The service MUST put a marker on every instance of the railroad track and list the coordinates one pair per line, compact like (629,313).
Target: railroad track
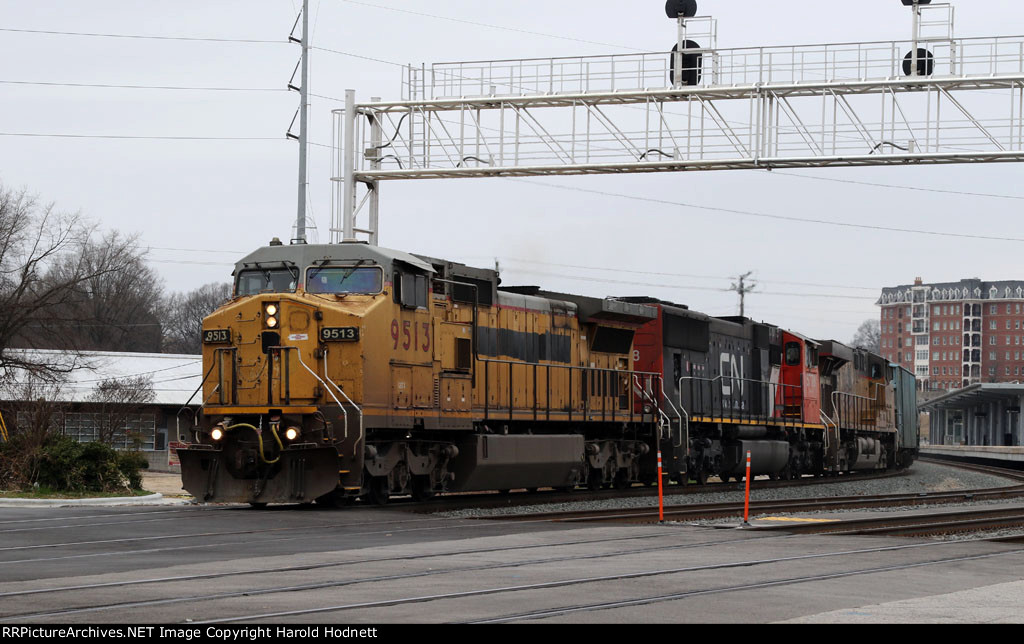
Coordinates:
(558,575)
(491,500)
(694,512)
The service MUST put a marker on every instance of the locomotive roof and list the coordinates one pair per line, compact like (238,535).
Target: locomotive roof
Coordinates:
(592,309)
(303,255)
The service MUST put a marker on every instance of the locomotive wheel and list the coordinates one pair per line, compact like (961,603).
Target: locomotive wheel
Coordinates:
(379,492)
(701,477)
(532,490)
(594,480)
(724,477)
(421,490)
(257,506)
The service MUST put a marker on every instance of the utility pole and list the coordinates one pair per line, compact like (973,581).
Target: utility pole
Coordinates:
(742,288)
(300,221)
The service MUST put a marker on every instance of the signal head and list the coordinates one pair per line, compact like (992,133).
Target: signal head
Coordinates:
(684,8)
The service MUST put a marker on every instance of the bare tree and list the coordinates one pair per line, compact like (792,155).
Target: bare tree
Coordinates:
(48,260)
(115,403)
(869,336)
(183,316)
(33,412)
(113,310)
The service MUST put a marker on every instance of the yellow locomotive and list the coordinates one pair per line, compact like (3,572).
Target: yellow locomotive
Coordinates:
(347,370)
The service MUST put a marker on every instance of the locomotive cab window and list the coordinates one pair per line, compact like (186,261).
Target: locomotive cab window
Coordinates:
(411,290)
(792,354)
(365,280)
(812,357)
(256,281)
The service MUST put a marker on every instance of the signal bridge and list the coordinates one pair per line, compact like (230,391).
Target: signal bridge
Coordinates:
(931,99)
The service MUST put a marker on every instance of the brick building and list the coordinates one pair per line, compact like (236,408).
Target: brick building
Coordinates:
(955,334)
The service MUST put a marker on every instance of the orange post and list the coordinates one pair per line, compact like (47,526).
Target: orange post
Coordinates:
(746,502)
(661,498)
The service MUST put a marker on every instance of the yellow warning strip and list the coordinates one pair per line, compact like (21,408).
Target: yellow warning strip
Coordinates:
(796,519)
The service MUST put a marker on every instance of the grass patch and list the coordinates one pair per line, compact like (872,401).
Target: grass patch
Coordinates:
(44,492)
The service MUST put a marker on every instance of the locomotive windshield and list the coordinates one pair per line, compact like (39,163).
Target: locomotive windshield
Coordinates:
(276,280)
(338,280)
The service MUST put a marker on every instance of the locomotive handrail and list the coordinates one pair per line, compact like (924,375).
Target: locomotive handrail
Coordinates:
(312,373)
(177,417)
(568,367)
(774,390)
(342,392)
(639,387)
(839,411)
(827,422)
(684,426)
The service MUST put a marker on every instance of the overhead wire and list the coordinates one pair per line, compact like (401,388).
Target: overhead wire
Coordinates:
(762,215)
(489,26)
(153,87)
(50,32)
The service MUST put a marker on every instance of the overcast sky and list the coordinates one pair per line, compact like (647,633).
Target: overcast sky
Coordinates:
(201,204)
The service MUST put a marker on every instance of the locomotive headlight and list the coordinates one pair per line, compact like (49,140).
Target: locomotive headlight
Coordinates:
(291,433)
(217,434)
(270,312)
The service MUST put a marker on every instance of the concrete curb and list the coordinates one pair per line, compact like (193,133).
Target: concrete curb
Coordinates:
(152,499)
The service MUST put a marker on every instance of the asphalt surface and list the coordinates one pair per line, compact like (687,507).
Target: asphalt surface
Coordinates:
(393,566)
(177,562)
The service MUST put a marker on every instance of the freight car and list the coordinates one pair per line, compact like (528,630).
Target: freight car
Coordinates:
(348,370)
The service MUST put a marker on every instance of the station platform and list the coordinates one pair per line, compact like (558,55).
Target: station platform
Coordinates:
(1012,457)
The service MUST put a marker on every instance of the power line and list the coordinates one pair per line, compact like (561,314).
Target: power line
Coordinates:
(748,213)
(141,36)
(346,53)
(709,277)
(489,26)
(742,289)
(689,287)
(160,87)
(899,187)
(129,137)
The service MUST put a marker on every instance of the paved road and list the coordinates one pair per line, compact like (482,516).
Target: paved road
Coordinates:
(388,565)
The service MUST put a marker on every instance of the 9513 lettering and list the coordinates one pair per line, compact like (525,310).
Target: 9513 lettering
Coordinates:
(340,334)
